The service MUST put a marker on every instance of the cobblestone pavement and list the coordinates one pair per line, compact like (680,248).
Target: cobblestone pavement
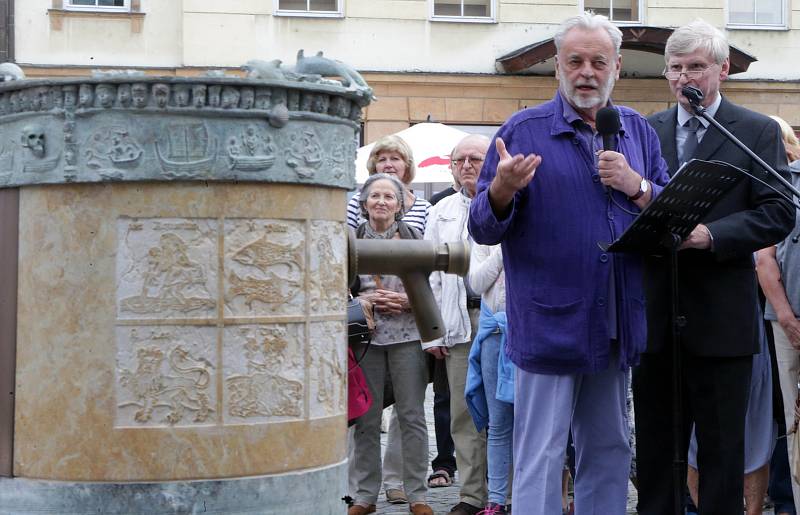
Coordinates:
(442,499)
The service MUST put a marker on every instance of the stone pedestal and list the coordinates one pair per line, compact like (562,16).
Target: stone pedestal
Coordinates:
(180,341)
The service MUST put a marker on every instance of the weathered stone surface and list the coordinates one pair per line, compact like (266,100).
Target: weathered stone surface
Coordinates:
(136,340)
(175,129)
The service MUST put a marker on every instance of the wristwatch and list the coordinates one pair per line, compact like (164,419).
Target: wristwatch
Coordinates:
(643,187)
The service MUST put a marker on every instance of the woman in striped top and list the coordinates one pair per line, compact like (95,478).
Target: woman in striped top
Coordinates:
(393,156)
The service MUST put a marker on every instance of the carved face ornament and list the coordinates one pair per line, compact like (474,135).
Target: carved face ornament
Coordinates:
(161,95)
(139,95)
(33,140)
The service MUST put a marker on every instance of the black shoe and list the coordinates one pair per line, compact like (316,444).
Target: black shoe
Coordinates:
(463,508)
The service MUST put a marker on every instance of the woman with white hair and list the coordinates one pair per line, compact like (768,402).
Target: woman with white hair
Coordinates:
(394,354)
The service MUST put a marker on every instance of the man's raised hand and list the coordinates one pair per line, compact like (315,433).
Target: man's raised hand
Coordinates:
(513,174)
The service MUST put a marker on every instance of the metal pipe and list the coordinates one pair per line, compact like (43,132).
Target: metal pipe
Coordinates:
(412,261)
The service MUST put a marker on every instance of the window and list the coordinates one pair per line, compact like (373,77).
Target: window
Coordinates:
(329,8)
(757,13)
(620,11)
(463,10)
(97,5)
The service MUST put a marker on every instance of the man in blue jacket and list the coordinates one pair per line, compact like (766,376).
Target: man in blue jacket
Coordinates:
(576,315)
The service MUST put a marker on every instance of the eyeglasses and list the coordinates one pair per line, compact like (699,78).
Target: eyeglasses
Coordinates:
(477,160)
(690,74)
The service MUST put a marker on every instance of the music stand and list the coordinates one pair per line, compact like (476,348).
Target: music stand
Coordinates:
(688,198)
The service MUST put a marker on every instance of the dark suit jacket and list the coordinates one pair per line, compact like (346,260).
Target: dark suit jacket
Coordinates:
(717,290)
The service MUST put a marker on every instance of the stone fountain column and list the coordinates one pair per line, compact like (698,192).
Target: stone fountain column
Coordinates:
(180,335)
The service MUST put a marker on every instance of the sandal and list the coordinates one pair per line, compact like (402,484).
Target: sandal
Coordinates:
(440,479)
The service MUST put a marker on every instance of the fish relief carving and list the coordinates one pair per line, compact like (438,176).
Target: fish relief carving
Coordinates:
(304,153)
(274,290)
(180,390)
(263,254)
(251,151)
(110,148)
(263,391)
(171,281)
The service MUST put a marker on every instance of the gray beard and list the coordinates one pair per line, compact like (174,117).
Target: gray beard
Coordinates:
(601,99)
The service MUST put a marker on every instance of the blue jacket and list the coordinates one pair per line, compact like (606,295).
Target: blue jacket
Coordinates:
(557,276)
(474,391)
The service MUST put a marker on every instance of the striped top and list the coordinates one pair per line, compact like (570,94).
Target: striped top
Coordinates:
(416,217)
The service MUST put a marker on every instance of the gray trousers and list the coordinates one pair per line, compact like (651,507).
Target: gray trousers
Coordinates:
(594,405)
(470,444)
(404,364)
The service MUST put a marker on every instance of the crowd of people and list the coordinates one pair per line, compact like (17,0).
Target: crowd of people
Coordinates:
(548,334)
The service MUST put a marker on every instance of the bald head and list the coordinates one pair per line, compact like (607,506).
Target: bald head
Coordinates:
(467,159)
(479,140)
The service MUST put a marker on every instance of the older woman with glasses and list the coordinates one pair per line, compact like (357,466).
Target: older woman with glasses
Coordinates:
(394,353)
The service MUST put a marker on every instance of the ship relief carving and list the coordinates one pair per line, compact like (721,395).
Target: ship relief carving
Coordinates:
(304,153)
(328,361)
(6,165)
(165,377)
(327,266)
(188,151)
(251,150)
(36,149)
(264,263)
(263,372)
(167,268)
(111,149)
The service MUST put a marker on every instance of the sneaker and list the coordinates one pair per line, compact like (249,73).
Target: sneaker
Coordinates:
(463,508)
(493,509)
(396,496)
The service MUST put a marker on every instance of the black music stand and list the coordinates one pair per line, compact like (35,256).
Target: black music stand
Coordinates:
(661,227)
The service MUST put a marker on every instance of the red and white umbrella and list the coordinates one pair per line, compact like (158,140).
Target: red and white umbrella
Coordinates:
(431,144)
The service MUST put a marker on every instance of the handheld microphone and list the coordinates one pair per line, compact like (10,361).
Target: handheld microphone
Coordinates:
(692,94)
(607,123)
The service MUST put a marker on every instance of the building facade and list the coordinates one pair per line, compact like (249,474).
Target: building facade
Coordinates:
(426,59)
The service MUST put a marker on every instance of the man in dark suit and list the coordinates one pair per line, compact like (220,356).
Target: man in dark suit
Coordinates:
(717,287)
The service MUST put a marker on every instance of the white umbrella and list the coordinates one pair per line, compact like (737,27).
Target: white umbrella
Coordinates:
(431,144)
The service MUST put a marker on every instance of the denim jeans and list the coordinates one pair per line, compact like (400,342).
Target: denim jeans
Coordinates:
(501,424)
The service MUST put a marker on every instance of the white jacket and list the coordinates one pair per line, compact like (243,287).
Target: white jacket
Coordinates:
(447,222)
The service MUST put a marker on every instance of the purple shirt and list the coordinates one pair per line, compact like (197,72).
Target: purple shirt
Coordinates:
(557,277)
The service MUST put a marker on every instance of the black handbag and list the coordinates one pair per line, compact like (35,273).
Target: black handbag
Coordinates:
(357,327)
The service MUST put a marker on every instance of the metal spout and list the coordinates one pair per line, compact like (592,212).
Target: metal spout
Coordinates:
(412,261)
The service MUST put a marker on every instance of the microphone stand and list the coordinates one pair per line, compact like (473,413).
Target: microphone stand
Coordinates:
(695,96)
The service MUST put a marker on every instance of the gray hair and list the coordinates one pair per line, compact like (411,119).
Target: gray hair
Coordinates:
(372,179)
(589,21)
(698,35)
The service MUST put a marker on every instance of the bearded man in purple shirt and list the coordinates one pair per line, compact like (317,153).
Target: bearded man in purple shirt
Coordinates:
(549,194)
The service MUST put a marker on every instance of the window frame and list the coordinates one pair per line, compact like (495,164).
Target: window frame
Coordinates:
(758,26)
(339,13)
(126,8)
(640,21)
(492,18)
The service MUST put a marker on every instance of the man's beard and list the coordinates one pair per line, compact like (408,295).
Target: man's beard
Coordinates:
(598,99)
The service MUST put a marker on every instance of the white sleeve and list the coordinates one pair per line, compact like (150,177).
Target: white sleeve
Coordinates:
(486,264)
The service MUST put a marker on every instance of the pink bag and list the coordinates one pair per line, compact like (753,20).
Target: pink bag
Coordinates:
(359,399)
